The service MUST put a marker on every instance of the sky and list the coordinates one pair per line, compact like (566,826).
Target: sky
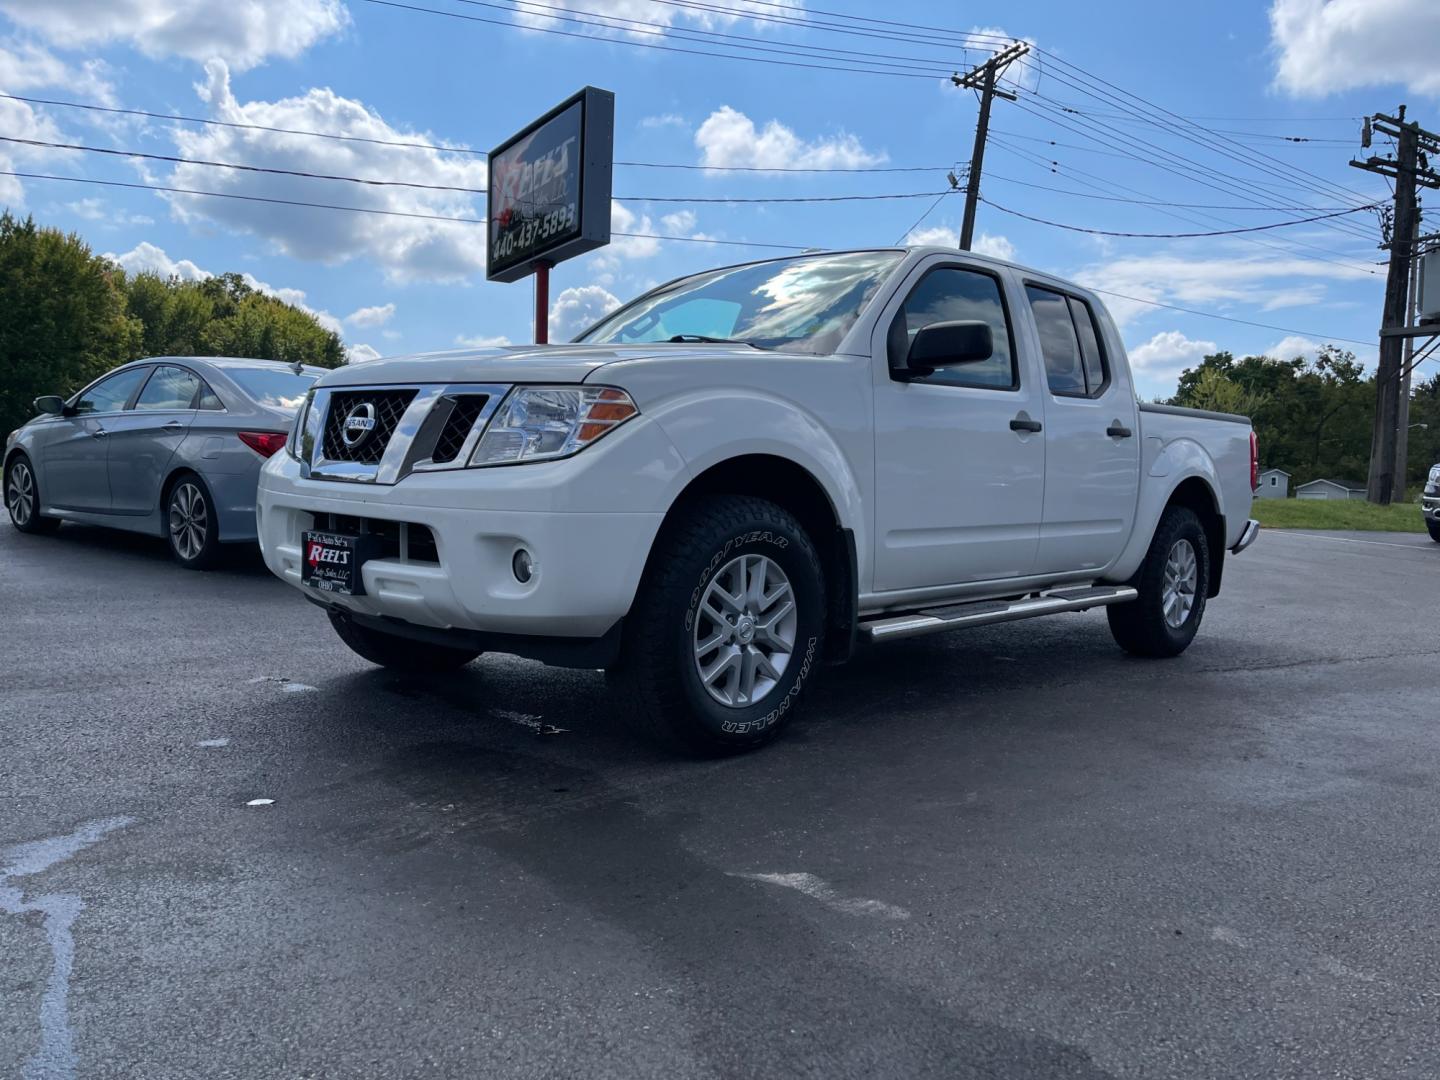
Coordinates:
(1138,118)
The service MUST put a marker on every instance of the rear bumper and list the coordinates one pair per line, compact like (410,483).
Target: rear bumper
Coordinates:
(1247,536)
(587,565)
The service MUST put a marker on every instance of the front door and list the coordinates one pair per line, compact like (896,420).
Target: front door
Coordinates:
(1092,438)
(73,456)
(145,437)
(959,454)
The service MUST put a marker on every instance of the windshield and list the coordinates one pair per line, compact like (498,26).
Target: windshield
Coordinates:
(280,389)
(804,304)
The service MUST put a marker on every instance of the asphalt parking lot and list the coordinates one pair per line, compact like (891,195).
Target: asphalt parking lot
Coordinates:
(1013,852)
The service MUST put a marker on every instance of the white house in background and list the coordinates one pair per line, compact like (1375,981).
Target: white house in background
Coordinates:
(1329,489)
(1274,484)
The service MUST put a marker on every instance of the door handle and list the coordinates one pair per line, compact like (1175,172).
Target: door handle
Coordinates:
(99,433)
(1116,431)
(173,425)
(1024,424)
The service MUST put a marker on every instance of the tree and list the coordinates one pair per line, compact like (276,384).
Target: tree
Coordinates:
(63,317)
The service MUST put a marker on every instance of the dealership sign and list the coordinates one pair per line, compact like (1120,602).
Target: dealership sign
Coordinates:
(549,190)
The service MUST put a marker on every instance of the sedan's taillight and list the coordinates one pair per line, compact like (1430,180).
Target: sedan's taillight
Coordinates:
(263,443)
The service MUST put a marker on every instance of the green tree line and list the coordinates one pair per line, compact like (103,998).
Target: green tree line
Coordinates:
(68,316)
(1313,419)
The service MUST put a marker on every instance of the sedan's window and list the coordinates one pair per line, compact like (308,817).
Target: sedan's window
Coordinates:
(277,388)
(110,395)
(169,388)
(1064,368)
(209,399)
(953,295)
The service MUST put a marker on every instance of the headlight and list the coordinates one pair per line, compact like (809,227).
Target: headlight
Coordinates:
(540,423)
(293,445)
(1434,473)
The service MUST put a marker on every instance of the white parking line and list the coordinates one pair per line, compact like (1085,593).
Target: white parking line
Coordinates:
(1346,540)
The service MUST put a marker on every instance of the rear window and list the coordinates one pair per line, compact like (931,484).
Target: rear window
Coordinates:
(277,389)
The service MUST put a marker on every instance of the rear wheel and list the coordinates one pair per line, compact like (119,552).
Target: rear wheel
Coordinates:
(399,653)
(22,498)
(727,628)
(1173,582)
(191,527)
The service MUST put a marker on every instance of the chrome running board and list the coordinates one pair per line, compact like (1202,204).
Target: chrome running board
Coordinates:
(986,612)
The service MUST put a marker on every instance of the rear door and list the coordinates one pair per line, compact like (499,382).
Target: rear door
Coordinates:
(1092,440)
(75,450)
(145,436)
(959,457)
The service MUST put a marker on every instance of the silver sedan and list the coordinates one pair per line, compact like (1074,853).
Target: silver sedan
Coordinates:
(170,446)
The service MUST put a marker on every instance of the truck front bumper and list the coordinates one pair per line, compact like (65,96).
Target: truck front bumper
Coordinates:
(586,566)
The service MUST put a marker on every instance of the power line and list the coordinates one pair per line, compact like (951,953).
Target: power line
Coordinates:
(1174,236)
(1154,202)
(305,204)
(276,171)
(1228,318)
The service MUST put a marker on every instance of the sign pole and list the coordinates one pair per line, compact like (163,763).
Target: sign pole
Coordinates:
(542,303)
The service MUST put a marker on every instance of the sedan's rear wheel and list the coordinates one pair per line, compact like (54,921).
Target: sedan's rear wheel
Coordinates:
(190,525)
(22,498)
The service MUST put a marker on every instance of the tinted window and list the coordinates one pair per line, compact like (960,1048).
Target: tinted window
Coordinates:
(804,304)
(1097,371)
(209,399)
(1064,369)
(169,388)
(277,388)
(951,295)
(110,395)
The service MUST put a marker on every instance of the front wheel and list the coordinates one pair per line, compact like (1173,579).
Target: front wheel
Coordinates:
(727,629)
(1173,582)
(399,653)
(1434,529)
(22,498)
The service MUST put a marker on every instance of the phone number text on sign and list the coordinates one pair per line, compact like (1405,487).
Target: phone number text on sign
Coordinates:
(517,238)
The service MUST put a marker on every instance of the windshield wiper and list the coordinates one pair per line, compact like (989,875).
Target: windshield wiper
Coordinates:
(681,339)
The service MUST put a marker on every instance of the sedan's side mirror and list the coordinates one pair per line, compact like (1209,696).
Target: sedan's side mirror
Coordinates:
(53,404)
(942,344)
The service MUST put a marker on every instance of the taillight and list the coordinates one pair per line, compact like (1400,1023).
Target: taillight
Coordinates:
(1254,461)
(263,443)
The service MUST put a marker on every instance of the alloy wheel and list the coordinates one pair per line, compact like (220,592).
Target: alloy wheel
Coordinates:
(1182,577)
(745,630)
(189,520)
(20,494)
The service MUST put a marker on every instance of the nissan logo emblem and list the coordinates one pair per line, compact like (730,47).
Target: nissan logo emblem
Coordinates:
(359,422)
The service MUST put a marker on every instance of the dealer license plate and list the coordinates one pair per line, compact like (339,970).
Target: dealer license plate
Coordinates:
(331,562)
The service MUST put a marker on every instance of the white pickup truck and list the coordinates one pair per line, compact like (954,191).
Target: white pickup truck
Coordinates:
(752,471)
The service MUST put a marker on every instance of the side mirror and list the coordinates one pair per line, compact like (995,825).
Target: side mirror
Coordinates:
(53,404)
(945,343)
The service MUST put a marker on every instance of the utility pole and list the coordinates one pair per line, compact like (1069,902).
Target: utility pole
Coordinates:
(982,78)
(1409,168)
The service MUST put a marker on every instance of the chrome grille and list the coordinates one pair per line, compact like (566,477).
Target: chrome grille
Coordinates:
(388,405)
(467,410)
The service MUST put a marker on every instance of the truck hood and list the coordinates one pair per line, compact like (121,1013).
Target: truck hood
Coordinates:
(508,364)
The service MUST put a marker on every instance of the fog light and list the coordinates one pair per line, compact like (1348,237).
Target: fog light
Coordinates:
(523,566)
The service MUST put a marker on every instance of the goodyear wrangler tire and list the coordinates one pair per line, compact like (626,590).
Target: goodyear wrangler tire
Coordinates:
(727,630)
(1172,582)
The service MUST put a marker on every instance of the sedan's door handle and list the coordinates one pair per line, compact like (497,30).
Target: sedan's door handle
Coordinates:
(1117,431)
(99,433)
(173,425)
(1024,424)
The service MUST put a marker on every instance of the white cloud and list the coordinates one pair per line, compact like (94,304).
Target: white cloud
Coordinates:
(1300,296)
(663,120)
(637,18)
(682,221)
(482,342)
(21,121)
(28,66)
(89,209)
(1288,348)
(371,316)
(146,258)
(245,33)
(729,139)
(1189,279)
(1167,354)
(405,248)
(1326,46)
(575,309)
(998,247)
(358,354)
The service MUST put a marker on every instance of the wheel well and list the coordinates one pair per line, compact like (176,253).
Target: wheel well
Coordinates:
(1195,495)
(792,487)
